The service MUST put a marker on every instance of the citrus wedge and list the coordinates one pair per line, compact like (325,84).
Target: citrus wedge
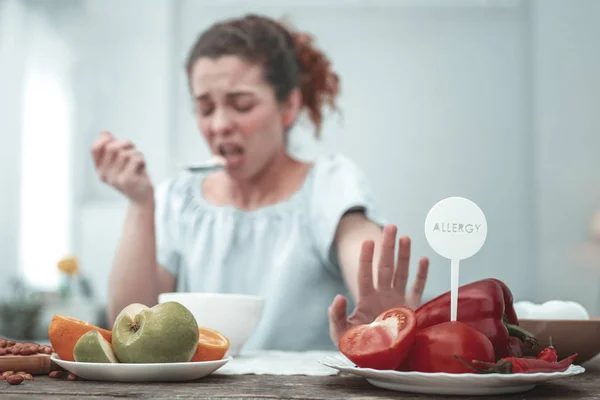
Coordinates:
(212,345)
(64,332)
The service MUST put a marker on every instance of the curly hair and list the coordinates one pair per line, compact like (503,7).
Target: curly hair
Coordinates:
(289,59)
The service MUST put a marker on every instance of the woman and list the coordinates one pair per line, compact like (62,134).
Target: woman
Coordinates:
(304,235)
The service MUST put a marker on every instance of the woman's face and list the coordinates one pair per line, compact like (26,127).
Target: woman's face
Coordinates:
(238,113)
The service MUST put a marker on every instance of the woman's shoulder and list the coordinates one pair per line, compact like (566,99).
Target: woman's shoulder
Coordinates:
(339,183)
(336,170)
(340,186)
(176,191)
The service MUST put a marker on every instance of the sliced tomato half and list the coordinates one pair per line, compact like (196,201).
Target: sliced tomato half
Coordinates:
(383,344)
(399,312)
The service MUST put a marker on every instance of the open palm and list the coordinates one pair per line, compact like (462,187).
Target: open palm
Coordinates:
(389,290)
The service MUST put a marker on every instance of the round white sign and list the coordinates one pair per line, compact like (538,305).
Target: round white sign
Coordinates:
(456,228)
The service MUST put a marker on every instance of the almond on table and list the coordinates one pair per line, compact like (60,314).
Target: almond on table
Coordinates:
(10,347)
(15,379)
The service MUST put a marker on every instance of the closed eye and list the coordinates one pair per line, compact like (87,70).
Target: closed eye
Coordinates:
(244,107)
(205,107)
(242,101)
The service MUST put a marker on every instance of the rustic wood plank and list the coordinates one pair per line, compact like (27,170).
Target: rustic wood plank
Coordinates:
(585,386)
(38,364)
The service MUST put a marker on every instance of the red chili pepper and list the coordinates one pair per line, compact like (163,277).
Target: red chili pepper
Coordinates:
(516,365)
(549,353)
(486,305)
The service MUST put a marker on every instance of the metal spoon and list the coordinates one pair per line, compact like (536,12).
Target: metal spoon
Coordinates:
(213,163)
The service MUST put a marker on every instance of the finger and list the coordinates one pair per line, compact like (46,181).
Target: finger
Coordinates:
(385,269)
(108,155)
(99,146)
(135,165)
(365,269)
(401,272)
(338,323)
(123,157)
(130,171)
(421,279)
(111,151)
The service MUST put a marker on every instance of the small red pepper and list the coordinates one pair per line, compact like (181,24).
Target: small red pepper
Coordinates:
(549,353)
(516,365)
(486,305)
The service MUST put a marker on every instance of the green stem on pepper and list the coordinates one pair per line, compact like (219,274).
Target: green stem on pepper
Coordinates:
(480,370)
(521,334)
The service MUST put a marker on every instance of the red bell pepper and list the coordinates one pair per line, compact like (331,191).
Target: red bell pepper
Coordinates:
(486,305)
(514,343)
(435,349)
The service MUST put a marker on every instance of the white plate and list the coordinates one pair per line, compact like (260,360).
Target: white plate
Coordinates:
(160,372)
(448,384)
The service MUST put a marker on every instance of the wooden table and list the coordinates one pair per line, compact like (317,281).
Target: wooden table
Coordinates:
(584,386)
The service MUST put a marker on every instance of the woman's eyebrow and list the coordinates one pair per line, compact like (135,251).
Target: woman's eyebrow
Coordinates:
(236,93)
(240,93)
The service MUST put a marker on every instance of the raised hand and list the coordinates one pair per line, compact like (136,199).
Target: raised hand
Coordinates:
(120,165)
(389,290)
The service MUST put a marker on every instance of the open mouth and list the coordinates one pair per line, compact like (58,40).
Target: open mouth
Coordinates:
(232,153)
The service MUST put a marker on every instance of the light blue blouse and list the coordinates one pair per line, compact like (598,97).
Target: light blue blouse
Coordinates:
(283,252)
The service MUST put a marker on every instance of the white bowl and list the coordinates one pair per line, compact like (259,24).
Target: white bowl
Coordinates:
(234,315)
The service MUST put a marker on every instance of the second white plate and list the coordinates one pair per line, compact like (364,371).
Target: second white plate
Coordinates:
(449,384)
(163,372)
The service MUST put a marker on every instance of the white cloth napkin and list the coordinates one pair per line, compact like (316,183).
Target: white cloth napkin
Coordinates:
(279,363)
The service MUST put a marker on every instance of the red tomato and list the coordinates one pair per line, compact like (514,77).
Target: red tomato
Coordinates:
(384,343)
(396,311)
(436,346)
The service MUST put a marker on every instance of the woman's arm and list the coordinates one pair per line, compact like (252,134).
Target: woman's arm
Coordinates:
(353,230)
(136,277)
(359,241)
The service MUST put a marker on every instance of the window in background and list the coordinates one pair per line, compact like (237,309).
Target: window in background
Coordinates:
(46,141)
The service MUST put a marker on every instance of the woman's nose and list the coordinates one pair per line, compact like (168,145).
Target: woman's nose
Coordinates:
(221,123)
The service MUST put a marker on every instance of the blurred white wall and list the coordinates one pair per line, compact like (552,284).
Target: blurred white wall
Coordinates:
(492,100)
(126,84)
(35,205)
(12,59)
(566,86)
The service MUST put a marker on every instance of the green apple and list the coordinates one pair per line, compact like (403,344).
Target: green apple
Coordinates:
(93,348)
(165,333)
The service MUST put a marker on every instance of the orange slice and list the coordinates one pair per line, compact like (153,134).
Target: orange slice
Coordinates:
(64,332)
(212,345)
